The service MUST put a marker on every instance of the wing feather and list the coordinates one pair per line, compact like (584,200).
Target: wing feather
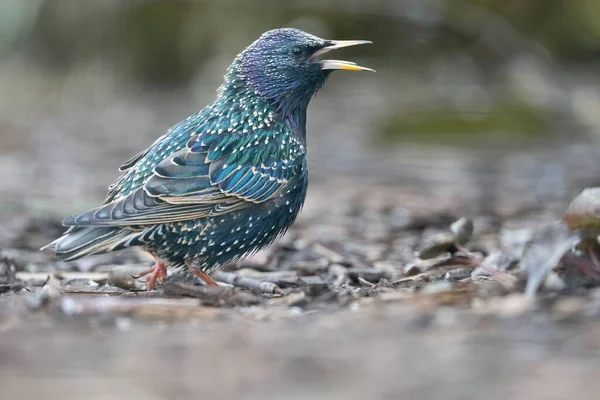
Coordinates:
(214,174)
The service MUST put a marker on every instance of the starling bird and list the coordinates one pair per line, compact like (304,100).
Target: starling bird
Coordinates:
(226,181)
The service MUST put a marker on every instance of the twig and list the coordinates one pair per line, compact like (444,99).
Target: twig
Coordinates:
(421,278)
(91,292)
(157,293)
(333,256)
(156,308)
(247,282)
(367,274)
(98,277)
(475,262)
(277,277)
(214,296)
(365,282)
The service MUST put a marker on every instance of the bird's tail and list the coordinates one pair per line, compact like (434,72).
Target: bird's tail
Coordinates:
(83,241)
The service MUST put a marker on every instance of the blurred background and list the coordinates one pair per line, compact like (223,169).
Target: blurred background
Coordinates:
(489,104)
(483,108)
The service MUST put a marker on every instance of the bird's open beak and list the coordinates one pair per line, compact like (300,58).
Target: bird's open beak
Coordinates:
(338,64)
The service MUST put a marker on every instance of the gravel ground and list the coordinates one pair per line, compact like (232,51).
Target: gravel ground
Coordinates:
(341,307)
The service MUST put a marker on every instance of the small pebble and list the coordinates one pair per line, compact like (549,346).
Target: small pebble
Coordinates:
(436,246)
(457,274)
(462,229)
(437,287)
(412,269)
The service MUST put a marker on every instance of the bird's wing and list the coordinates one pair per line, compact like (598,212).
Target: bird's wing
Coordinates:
(115,188)
(251,167)
(213,175)
(133,160)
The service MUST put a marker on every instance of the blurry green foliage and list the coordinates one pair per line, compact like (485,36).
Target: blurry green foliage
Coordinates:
(507,121)
(165,43)
(163,40)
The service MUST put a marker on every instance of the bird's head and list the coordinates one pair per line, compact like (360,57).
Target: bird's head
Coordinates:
(282,66)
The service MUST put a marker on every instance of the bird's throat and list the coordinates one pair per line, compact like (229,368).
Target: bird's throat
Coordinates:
(245,102)
(296,119)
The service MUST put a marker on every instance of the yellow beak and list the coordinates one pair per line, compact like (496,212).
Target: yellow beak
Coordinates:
(338,64)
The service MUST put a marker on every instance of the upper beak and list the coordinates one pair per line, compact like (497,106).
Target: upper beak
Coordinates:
(337,64)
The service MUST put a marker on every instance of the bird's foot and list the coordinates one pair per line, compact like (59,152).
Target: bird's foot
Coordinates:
(159,271)
(205,278)
(200,274)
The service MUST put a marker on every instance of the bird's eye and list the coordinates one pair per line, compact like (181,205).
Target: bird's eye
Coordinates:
(297,51)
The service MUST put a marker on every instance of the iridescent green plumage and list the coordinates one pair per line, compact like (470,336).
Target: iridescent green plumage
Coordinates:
(226,181)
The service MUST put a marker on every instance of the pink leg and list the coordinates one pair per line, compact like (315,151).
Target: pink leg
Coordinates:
(205,278)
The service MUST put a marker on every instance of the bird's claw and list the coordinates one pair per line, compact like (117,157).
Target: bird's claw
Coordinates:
(143,273)
(159,272)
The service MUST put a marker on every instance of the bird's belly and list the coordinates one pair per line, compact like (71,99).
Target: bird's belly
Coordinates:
(216,241)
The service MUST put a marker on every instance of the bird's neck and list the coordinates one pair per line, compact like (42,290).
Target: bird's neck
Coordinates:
(296,119)
(239,97)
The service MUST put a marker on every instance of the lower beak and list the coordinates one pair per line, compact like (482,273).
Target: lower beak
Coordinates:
(338,64)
